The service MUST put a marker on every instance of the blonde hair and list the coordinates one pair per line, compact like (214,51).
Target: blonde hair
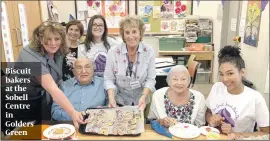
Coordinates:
(132,21)
(41,34)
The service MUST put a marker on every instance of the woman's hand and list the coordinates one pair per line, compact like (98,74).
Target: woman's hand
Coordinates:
(226,128)
(167,121)
(142,103)
(235,136)
(77,118)
(112,103)
(215,120)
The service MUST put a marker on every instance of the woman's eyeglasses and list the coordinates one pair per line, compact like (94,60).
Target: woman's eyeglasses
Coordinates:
(98,25)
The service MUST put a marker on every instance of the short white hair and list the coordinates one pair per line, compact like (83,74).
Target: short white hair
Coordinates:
(177,69)
(90,60)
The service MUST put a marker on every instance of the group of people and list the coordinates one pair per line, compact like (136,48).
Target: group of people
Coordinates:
(104,72)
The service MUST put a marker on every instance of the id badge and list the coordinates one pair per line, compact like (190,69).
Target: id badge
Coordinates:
(135,84)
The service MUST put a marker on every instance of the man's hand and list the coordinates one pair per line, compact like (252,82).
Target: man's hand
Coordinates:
(215,120)
(226,128)
(142,104)
(77,118)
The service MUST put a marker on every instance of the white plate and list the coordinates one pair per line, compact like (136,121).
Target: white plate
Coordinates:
(64,131)
(204,129)
(185,131)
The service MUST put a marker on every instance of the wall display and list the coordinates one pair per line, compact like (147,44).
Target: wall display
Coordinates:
(164,16)
(6,35)
(112,10)
(180,8)
(253,20)
(53,12)
(24,28)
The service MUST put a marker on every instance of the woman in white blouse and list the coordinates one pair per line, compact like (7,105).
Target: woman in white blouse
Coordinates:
(178,103)
(130,72)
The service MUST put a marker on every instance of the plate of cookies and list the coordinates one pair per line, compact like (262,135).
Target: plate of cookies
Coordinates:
(119,121)
(59,131)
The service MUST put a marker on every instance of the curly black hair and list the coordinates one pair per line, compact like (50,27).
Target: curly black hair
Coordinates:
(232,55)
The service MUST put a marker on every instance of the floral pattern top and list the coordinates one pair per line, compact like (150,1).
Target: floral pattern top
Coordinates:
(181,113)
(67,64)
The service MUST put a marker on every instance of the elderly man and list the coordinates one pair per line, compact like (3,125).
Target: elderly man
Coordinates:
(83,91)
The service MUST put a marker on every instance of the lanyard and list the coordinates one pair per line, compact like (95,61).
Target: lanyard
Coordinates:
(129,68)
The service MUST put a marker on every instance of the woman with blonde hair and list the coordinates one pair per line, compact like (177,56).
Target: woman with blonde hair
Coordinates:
(130,70)
(47,48)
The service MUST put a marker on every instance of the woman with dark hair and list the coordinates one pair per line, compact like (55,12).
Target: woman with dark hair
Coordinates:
(97,43)
(232,106)
(74,30)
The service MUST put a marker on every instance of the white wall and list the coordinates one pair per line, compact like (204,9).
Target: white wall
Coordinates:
(257,58)
(266,88)
(64,9)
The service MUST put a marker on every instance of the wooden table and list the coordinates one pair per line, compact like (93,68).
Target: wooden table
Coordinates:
(149,134)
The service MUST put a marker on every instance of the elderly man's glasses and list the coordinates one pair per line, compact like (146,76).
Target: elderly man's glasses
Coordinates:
(86,68)
(98,25)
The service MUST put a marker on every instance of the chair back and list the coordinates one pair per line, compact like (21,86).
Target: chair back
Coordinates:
(192,69)
(190,59)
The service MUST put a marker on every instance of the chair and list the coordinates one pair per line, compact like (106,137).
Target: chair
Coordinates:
(192,69)
(190,59)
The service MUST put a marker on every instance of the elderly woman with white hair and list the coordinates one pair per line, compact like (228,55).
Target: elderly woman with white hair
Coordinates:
(178,103)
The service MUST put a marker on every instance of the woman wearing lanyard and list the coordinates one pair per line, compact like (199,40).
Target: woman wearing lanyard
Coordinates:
(48,47)
(130,69)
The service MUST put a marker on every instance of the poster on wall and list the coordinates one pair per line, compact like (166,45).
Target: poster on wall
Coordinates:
(114,11)
(94,7)
(166,9)
(252,27)
(180,8)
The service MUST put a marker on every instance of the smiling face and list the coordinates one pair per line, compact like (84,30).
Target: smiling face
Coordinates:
(132,36)
(83,70)
(231,77)
(52,43)
(179,81)
(73,33)
(98,28)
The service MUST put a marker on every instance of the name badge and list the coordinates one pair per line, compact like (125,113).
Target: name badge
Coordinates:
(135,84)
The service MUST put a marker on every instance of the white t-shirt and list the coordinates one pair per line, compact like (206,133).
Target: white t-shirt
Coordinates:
(158,111)
(97,53)
(242,110)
